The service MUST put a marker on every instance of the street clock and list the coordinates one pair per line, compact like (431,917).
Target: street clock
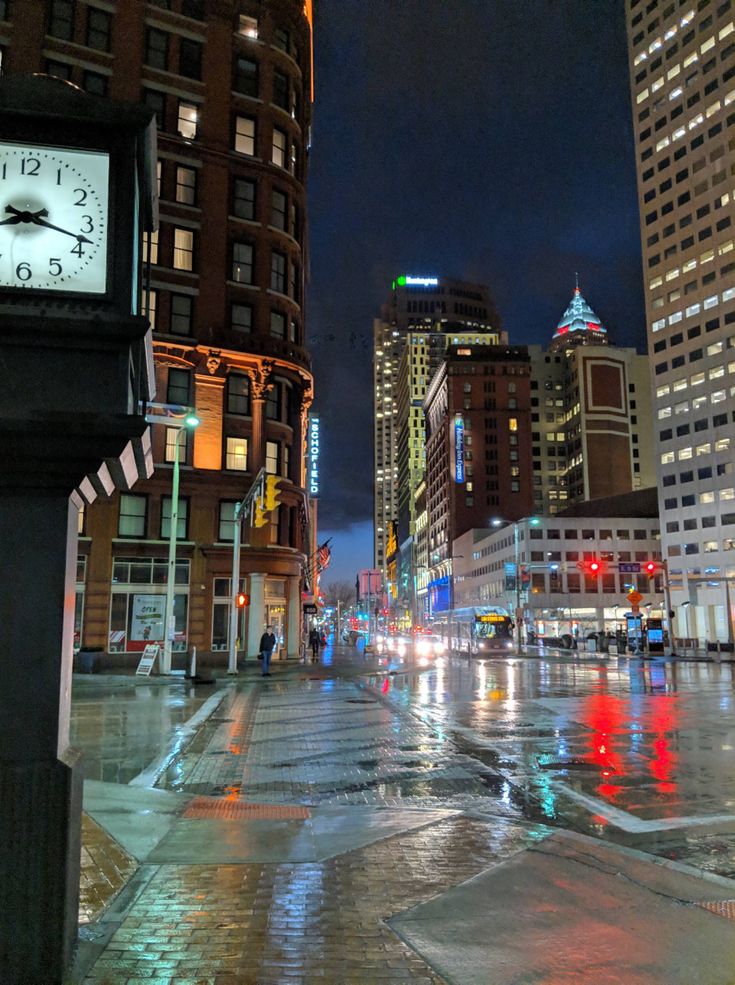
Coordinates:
(54,221)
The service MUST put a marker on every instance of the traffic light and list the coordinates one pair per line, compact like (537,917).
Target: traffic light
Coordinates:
(260,516)
(241,600)
(272,492)
(650,567)
(592,568)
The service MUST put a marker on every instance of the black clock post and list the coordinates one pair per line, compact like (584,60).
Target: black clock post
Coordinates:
(77,190)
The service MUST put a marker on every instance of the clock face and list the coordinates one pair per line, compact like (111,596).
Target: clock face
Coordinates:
(53,218)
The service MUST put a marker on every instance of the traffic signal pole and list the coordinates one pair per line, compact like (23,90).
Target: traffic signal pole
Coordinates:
(242,509)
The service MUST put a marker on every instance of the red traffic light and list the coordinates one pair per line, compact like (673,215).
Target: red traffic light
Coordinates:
(650,567)
(594,567)
(241,600)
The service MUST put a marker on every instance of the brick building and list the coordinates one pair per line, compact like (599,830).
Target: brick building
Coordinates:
(231,85)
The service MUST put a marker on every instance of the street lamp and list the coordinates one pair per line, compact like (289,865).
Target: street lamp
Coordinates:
(190,422)
(532,522)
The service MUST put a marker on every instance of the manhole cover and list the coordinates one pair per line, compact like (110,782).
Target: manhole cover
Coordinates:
(237,810)
(723,908)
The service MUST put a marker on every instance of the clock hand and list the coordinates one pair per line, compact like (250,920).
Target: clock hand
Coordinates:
(35,218)
(37,221)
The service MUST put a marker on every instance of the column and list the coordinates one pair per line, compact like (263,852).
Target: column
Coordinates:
(293,643)
(260,384)
(40,776)
(256,615)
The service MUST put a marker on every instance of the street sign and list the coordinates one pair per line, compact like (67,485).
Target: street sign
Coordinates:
(634,597)
(631,566)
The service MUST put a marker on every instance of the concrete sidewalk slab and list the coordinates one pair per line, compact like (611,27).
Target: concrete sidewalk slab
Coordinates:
(326,834)
(572,910)
(136,818)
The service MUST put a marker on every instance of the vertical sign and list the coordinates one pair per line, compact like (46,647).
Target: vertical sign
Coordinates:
(459,448)
(313,464)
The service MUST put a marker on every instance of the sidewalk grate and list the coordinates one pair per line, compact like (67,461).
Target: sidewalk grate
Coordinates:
(723,908)
(236,810)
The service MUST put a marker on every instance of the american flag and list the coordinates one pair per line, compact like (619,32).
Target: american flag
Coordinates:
(323,556)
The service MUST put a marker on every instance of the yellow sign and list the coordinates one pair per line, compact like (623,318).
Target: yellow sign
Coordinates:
(490,617)
(634,597)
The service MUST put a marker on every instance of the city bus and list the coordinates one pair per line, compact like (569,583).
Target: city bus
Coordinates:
(477,629)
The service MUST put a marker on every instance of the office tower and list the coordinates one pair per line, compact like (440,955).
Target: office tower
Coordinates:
(591,414)
(231,85)
(420,318)
(682,69)
(478,447)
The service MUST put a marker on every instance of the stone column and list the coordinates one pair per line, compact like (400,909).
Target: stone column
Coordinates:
(260,384)
(293,642)
(256,615)
(40,776)
(209,384)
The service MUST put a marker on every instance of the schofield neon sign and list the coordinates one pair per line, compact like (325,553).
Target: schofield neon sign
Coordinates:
(313,456)
(459,448)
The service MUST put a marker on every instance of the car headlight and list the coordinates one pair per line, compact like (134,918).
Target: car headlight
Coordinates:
(423,647)
(439,647)
(509,645)
(378,639)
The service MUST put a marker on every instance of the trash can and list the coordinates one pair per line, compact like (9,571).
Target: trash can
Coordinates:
(88,659)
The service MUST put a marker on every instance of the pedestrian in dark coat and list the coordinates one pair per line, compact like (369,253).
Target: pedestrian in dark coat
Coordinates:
(267,646)
(314,642)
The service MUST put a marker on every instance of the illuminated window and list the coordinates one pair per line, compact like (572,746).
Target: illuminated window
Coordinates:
(247,26)
(188,117)
(183,249)
(704,449)
(150,247)
(513,424)
(723,444)
(245,135)
(186,185)
(172,436)
(271,457)
(151,299)
(237,454)
(278,155)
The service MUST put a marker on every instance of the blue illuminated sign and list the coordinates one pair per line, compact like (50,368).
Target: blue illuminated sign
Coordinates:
(459,448)
(313,457)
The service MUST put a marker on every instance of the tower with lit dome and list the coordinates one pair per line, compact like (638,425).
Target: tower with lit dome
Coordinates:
(579,325)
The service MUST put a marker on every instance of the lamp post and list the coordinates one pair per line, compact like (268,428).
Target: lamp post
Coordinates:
(191,421)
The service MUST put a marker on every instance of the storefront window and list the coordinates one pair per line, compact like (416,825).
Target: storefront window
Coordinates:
(137,615)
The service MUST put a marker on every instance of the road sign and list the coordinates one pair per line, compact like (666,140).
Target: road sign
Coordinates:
(634,597)
(630,566)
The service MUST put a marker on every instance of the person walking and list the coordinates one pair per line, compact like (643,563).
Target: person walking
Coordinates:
(267,645)
(314,643)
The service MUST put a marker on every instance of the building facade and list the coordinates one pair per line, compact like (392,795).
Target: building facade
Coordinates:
(561,597)
(682,71)
(478,447)
(231,85)
(591,414)
(420,318)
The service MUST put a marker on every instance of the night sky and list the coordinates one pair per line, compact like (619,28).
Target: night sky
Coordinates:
(489,140)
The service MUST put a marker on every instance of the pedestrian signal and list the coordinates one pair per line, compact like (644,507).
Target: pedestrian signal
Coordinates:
(650,567)
(241,600)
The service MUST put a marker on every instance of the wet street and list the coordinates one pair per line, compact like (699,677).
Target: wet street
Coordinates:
(287,830)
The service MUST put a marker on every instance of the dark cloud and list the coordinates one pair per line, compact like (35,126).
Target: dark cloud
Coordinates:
(485,139)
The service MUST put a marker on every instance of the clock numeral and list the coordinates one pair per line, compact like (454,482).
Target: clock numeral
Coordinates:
(30,165)
(78,249)
(54,262)
(23,271)
(4,172)
(58,176)
(82,196)
(89,226)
